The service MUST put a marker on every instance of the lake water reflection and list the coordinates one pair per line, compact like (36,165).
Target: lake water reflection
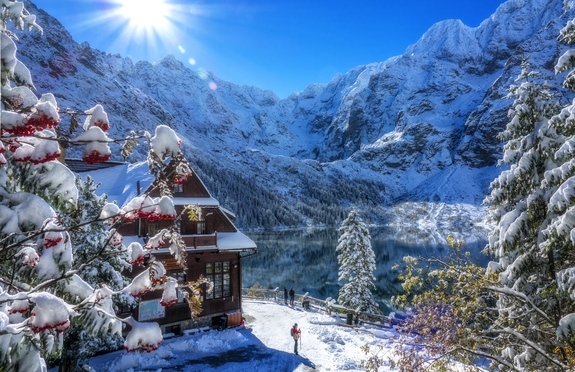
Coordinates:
(306,260)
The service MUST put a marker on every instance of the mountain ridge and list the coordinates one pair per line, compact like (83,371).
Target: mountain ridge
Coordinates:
(377,136)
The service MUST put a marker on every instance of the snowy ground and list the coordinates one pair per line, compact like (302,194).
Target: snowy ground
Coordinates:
(264,344)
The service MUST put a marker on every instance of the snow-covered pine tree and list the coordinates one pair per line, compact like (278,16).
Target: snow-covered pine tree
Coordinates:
(356,265)
(560,233)
(529,303)
(107,262)
(44,277)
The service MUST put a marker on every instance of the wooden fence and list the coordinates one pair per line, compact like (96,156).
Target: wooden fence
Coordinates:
(327,306)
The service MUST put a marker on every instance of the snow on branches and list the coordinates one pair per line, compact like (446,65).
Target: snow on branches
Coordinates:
(55,249)
(356,265)
(165,142)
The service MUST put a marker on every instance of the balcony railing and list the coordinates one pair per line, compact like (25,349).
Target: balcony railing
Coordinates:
(201,240)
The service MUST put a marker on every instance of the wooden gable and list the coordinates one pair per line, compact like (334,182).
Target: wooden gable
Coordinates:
(193,187)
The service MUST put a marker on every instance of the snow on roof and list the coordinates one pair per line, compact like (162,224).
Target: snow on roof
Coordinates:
(228,212)
(226,241)
(201,201)
(235,241)
(120,182)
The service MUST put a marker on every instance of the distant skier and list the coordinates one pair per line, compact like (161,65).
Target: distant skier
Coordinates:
(285,295)
(295,333)
(291,296)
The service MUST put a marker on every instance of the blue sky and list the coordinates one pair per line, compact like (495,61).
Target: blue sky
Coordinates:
(281,45)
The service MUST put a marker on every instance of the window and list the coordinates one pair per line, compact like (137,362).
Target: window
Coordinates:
(153,228)
(178,224)
(178,188)
(200,227)
(180,277)
(219,274)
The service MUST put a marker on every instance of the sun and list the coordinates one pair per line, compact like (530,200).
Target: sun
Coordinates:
(143,29)
(147,14)
(147,30)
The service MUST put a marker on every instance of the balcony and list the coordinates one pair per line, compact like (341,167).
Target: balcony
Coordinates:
(203,240)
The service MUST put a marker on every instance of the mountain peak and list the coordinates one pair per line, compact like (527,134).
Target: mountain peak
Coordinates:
(446,38)
(170,62)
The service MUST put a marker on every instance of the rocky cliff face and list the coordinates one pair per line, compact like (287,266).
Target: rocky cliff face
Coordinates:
(418,127)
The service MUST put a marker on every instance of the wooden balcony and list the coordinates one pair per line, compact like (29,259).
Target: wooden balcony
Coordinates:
(199,241)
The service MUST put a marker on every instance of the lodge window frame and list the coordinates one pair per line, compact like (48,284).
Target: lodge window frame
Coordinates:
(219,273)
(153,228)
(180,276)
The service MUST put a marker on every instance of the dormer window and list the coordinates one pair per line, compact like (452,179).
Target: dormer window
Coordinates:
(178,188)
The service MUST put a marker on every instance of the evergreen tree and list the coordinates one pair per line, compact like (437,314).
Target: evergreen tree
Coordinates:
(106,265)
(559,242)
(519,201)
(520,313)
(356,265)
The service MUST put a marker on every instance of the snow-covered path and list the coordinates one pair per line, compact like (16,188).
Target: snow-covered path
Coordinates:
(326,342)
(264,345)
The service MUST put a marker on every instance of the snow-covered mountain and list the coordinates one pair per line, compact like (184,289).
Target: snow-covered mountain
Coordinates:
(417,128)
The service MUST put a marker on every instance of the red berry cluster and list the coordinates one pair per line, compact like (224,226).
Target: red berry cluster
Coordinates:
(181,178)
(22,310)
(58,327)
(150,216)
(110,222)
(13,144)
(32,262)
(141,293)
(95,157)
(148,348)
(117,240)
(155,216)
(169,303)
(49,243)
(35,123)
(157,244)
(22,158)
(102,125)
(47,158)
(137,261)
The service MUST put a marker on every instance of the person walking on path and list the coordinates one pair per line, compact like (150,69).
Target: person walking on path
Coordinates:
(285,295)
(296,334)
(291,296)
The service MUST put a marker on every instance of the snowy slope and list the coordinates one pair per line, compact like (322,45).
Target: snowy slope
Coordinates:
(265,344)
(392,131)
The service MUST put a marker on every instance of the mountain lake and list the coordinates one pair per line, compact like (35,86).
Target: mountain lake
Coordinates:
(306,260)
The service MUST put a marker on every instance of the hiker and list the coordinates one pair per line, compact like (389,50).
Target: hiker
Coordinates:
(295,333)
(291,296)
(285,295)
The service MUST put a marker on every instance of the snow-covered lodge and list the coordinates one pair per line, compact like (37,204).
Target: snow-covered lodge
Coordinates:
(214,248)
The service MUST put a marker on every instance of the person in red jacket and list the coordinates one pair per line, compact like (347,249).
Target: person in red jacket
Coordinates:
(295,333)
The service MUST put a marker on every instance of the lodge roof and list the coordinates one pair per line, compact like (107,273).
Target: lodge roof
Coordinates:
(79,166)
(121,182)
